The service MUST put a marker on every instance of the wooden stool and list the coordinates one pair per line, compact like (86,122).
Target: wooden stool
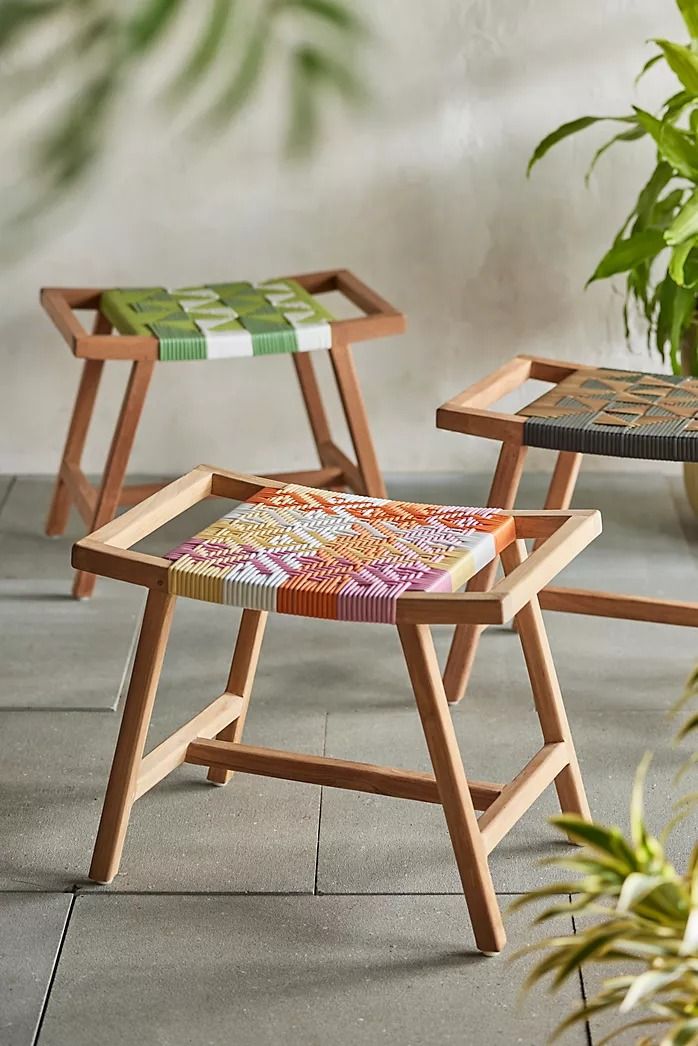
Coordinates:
(315,553)
(213,322)
(590,410)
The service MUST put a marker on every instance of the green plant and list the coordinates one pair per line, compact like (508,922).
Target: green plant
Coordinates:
(73,60)
(657,244)
(643,917)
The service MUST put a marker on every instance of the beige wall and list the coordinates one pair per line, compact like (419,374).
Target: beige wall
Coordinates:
(426,199)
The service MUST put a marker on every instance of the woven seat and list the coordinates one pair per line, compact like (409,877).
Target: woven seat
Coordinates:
(627,414)
(222,320)
(296,550)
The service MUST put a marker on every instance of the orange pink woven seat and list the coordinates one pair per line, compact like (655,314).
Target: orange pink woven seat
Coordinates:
(318,553)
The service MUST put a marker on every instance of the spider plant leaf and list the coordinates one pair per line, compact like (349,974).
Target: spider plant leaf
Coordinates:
(689,944)
(685,224)
(554,890)
(18,15)
(626,254)
(686,1034)
(647,66)
(582,1014)
(334,13)
(675,146)
(150,22)
(591,944)
(689,13)
(638,830)
(635,888)
(683,62)
(642,1023)
(632,135)
(567,129)
(648,983)
(206,50)
(688,727)
(608,842)
(244,79)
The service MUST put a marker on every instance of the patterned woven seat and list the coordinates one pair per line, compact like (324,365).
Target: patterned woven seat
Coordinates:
(221,320)
(297,550)
(619,413)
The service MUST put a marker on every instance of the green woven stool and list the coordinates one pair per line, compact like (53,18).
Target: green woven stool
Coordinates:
(213,322)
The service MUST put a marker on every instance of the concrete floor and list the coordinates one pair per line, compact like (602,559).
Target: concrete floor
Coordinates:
(270,912)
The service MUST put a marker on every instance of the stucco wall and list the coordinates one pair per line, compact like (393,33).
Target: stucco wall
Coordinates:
(425,198)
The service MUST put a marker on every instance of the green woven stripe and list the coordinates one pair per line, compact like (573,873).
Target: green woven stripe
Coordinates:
(220,319)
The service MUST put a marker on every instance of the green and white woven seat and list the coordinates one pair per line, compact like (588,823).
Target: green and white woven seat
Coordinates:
(222,320)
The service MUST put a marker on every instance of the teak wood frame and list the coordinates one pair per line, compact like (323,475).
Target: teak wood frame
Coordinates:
(98,504)
(470,412)
(213,738)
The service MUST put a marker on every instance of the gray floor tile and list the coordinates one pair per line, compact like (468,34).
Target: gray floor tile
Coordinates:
(61,653)
(25,551)
(31,928)
(304,971)
(375,844)
(254,835)
(636,665)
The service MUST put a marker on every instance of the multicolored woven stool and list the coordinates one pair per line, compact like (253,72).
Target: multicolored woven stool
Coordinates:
(590,410)
(218,321)
(295,550)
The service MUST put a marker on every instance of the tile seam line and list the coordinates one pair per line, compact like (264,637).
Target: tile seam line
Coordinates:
(582,985)
(319,814)
(80,891)
(54,971)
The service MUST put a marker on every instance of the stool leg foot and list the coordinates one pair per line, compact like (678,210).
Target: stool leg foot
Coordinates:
(546,693)
(452,783)
(132,736)
(240,679)
(461,656)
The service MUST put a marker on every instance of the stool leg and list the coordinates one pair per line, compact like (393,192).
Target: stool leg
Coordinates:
(355,413)
(77,433)
(455,797)
(240,679)
(312,398)
(461,656)
(546,692)
(117,460)
(145,675)
(563,482)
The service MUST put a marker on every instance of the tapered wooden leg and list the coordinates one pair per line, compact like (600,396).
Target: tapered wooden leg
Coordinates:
(117,460)
(546,692)
(563,481)
(461,656)
(312,398)
(77,433)
(357,421)
(453,789)
(121,788)
(240,679)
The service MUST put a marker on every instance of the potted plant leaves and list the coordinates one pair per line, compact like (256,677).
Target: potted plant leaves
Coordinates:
(656,246)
